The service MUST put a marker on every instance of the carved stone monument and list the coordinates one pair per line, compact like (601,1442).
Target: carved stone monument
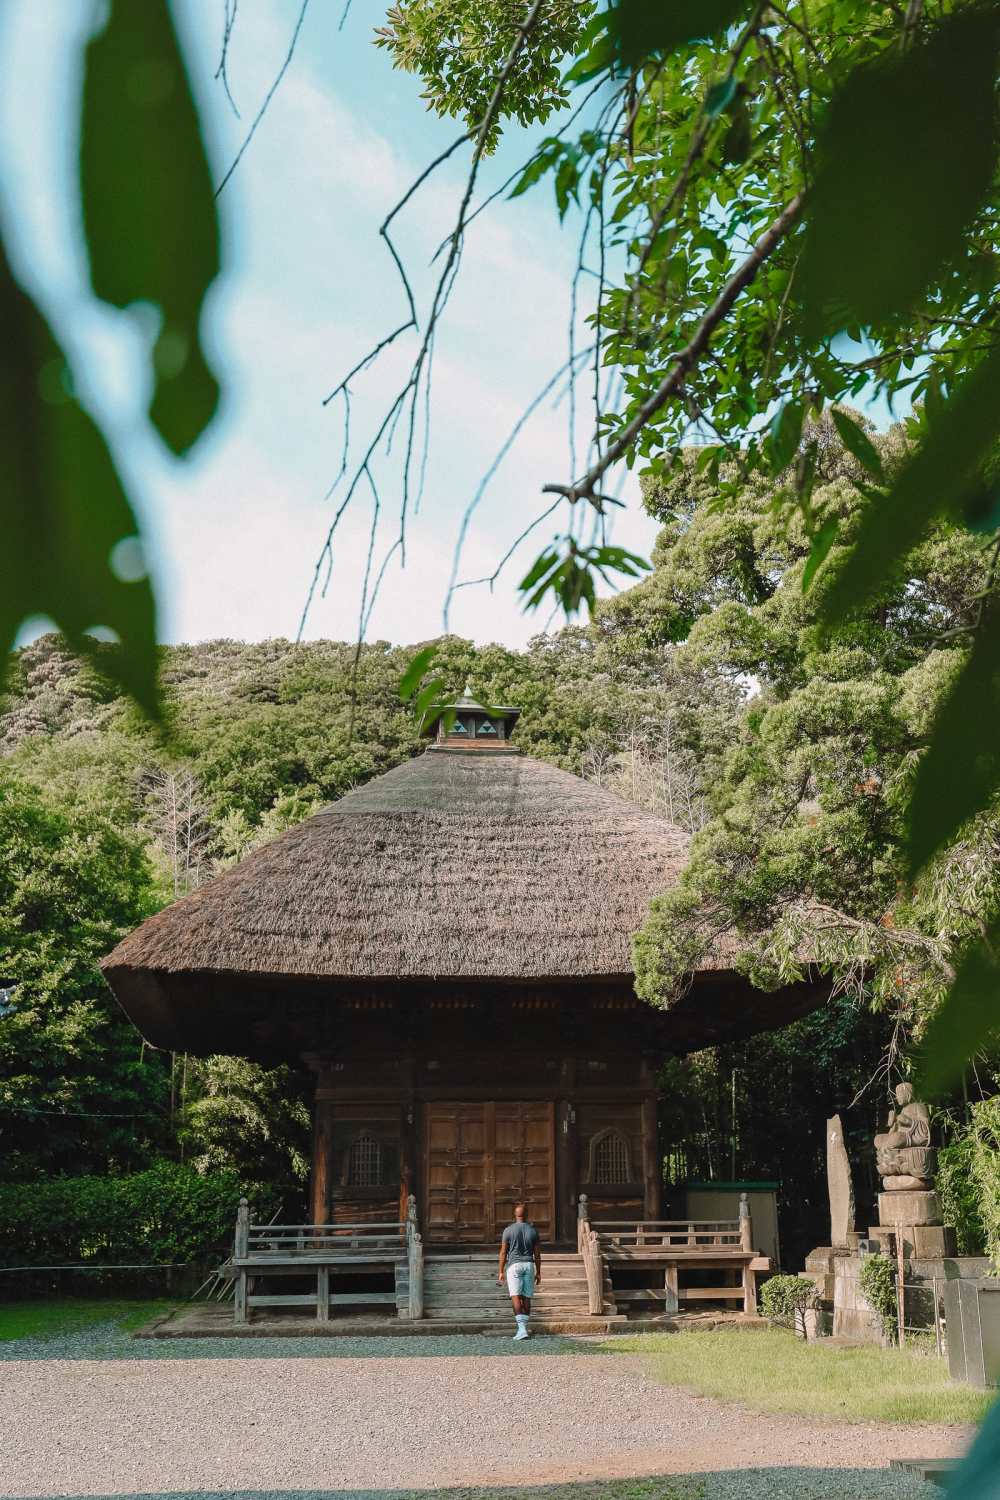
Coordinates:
(906,1162)
(840,1184)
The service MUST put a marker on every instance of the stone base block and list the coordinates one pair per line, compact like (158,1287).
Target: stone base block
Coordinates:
(852,1316)
(908,1208)
(930,1242)
(933,1241)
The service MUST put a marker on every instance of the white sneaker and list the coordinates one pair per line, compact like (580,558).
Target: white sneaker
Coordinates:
(522,1333)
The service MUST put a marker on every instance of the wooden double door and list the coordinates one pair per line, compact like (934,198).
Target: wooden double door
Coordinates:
(480,1158)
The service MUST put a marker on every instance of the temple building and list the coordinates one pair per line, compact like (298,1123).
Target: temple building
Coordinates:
(448,949)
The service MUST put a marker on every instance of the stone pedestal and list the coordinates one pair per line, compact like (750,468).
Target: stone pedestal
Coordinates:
(907,1208)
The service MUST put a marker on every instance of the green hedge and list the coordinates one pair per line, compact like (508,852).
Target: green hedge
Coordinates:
(168,1214)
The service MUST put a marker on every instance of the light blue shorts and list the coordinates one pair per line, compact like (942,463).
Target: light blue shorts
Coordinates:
(521,1279)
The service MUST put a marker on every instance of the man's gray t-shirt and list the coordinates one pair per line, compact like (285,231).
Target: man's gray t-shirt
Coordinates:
(520,1239)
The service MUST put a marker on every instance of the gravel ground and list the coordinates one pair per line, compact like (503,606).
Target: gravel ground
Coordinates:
(97,1414)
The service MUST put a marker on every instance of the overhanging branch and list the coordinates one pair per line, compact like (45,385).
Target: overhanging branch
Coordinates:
(683,363)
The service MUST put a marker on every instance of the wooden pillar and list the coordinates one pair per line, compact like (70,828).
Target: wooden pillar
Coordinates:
(410,1184)
(323,1166)
(567,1152)
(671,1301)
(652,1172)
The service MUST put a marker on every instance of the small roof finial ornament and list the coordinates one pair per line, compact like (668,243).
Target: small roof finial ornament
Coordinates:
(467,724)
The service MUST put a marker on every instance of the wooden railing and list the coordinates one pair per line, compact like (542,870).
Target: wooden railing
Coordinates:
(260,1248)
(682,1236)
(670,1244)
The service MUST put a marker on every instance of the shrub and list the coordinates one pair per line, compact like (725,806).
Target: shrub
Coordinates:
(169,1214)
(787,1299)
(877,1280)
(985,1132)
(958,1192)
(968,1181)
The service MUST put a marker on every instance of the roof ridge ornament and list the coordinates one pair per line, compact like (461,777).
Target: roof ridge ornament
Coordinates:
(466,725)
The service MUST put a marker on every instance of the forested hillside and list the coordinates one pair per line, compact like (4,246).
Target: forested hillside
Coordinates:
(705,692)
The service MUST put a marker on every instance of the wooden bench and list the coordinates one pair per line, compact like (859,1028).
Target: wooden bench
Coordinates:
(323,1251)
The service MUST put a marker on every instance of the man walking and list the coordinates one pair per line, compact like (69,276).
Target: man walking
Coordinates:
(521,1257)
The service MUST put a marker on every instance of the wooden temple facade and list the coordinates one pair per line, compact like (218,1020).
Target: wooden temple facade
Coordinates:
(448,949)
(470,1102)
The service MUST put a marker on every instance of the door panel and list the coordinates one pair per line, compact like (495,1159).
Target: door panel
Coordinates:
(481,1158)
(458,1204)
(525,1163)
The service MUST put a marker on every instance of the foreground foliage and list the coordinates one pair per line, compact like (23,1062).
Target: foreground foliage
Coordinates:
(787,1299)
(775,1372)
(167,1215)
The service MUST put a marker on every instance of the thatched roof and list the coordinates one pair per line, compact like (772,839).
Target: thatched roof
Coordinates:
(451,865)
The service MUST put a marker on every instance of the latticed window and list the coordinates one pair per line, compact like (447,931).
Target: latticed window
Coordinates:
(610,1159)
(365,1165)
(486,730)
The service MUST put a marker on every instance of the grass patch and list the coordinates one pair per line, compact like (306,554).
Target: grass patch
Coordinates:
(771,1371)
(50,1319)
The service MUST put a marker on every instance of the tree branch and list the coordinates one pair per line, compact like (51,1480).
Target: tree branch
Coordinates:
(684,362)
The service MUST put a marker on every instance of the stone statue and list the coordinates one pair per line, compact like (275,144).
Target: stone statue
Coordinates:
(903,1153)
(841,1188)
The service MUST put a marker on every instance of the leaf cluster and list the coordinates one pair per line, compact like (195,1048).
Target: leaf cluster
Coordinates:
(459,46)
(151,233)
(168,1214)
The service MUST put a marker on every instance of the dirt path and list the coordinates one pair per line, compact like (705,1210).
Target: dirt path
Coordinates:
(274,1425)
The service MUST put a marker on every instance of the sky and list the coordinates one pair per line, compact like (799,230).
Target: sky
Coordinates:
(234,531)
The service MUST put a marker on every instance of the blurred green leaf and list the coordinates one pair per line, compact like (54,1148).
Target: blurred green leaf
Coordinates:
(857,441)
(566,184)
(937,478)
(786,433)
(601,55)
(961,769)
(969,1013)
(738,138)
(719,97)
(819,550)
(149,212)
(416,669)
(643,28)
(569,577)
(906,156)
(975,1478)
(427,697)
(64,510)
(982,511)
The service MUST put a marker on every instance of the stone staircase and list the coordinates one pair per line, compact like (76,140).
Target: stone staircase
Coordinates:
(461,1295)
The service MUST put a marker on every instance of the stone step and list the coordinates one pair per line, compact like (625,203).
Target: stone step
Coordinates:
(479,1256)
(473,1317)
